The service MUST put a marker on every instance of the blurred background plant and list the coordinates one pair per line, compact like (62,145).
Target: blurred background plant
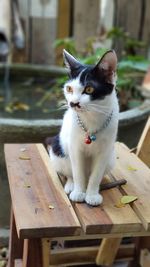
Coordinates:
(131,67)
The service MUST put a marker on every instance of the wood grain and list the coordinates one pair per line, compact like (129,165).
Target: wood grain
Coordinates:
(143,148)
(34,186)
(107,218)
(32,253)
(18,263)
(15,244)
(138,182)
(145,258)
(46,245)
(106,255)
(85,26)
(86,255)
(63,25)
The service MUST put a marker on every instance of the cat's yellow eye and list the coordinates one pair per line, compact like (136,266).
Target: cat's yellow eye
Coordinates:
(89,90)
(69,89)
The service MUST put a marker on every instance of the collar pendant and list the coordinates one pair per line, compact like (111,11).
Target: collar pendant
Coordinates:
(90,138)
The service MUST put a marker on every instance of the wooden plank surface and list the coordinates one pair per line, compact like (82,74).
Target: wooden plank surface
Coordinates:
(137,174)
(107,218)
(33,190)
(44,30)
(143,148)
(18,263)
(86,22)
(63,26)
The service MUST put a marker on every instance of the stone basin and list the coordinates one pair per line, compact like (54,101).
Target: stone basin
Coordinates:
(131,122)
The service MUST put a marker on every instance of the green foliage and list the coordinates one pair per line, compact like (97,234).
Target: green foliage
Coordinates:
(67,43)
(129,44)
(131,67)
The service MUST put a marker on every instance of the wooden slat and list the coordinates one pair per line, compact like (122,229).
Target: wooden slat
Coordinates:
(32,253)
(145,258)
(138,182)
(106,255)
(107,218)
(18,263)
(34,186)
(86,255)
(44,27)
(86,22)
(46,245)
(15,244)
(63,25)
(143,148)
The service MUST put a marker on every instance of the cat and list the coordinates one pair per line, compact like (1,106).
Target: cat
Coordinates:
(83,151)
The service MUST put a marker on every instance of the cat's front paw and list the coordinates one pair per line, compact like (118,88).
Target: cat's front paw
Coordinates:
(94,199)
(77,196)
(69,186)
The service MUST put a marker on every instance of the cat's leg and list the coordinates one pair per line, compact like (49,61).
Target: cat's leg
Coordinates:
(63,166)
(111,162)
(93,197)
(77,163)
(69,185)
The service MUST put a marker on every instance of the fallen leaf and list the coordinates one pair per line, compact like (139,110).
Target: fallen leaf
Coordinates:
(51,207)
(119,205)
(21,106)
(128,199)
(23,157)
(8,109)
(16,105)
(130,168)
(27,185)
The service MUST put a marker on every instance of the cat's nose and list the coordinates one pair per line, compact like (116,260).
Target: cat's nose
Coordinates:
(72,104)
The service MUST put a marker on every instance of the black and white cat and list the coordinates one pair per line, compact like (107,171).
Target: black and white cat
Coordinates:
(84,149)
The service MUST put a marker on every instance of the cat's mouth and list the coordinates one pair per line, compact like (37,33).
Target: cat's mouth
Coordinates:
(75,105)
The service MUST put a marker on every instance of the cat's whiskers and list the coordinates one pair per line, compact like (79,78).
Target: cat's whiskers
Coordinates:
(65,106)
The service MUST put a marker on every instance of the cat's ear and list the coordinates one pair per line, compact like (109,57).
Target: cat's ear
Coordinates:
(70,62)
(108,65)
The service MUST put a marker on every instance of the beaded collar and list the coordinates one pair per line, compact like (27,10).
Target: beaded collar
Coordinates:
(91,137)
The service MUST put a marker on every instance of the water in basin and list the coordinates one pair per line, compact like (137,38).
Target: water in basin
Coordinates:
(32,98)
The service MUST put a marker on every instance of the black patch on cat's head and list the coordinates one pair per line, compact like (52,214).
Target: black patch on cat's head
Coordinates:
(100,76)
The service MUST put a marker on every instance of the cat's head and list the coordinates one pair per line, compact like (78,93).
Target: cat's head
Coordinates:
(89,83)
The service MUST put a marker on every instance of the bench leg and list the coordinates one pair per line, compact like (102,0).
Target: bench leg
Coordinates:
(36,252)
(107,251)
(15,244)
(141,244)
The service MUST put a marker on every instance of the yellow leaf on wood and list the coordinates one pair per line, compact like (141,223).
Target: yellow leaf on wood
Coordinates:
(119,205)
(131,168)
(23,157)
(128,199)
(27,185)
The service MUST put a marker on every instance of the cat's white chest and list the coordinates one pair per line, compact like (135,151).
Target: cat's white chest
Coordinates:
(73,135)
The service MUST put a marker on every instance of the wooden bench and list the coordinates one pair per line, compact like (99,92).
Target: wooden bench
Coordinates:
(42,212)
